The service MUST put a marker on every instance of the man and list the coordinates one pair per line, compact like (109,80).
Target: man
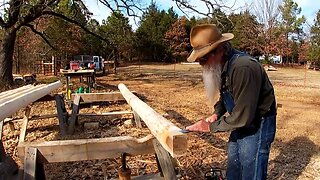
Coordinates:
(246,105)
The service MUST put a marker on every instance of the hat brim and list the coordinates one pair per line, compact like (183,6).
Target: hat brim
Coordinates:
(198,53)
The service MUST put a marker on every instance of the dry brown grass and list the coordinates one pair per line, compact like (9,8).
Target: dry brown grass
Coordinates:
(179,96)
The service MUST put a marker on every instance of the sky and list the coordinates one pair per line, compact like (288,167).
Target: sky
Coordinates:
(309,8)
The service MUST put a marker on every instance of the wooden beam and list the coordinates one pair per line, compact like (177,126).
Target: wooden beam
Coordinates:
(169,135)
(74,117)
(90,149)
(156,176)
(11,106)
(116,113)
(46,116)
(99,97)
(20,92)
(24,124)
(62,114)
(13,91)
(91,125)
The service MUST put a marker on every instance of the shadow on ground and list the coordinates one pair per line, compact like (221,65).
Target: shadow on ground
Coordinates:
(293,158)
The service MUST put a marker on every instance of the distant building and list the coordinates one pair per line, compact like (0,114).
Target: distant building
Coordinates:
(272,58)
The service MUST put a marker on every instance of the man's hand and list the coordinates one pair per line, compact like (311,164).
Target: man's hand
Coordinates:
(212,118)
(201,126)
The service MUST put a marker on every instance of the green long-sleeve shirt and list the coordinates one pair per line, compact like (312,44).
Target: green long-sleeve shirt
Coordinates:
(252,92)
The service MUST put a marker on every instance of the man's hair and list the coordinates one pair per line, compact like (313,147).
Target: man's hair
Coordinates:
(227,49)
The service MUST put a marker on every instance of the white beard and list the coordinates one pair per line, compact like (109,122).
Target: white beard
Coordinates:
(212,82)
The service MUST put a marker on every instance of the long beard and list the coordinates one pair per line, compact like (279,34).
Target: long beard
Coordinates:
(212,82)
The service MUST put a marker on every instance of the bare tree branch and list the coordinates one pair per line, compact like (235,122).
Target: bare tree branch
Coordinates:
(131,7)
(40,34)
(14,12)
(36,11)
(51,13)
(211,5)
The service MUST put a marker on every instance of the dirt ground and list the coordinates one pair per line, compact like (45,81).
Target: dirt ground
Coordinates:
(177,92)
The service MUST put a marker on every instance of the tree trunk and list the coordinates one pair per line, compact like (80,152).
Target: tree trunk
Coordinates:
(6,58)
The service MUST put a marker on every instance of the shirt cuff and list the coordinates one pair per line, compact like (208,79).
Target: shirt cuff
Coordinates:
(220,125)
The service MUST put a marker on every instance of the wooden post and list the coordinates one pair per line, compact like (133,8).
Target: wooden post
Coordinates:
(33,169)
(74,117)
(1,129)
(30,161)
(2,151)
(62,114)
(165,161)
(24,124)
(43,69)
(137,119)
(11,126)
(52,65)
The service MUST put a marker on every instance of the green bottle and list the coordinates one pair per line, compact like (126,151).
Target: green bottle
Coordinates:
(81,89)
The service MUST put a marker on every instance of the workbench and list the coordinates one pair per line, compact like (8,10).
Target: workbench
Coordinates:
(90,75)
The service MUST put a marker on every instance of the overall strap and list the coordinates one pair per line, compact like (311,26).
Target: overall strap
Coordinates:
(226,92)
(233,58)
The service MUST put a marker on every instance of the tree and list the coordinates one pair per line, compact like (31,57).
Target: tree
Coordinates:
(178,40)
(118,31)
(246,30)
(150,34)
(303,53)
(22,13)
(94,45)
(291,24)
(314,50)
(267,13)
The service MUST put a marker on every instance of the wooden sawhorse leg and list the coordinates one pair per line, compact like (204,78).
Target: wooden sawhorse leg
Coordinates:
(164,159)
(33,169)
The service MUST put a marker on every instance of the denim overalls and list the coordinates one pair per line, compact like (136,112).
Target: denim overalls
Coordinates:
(248,153)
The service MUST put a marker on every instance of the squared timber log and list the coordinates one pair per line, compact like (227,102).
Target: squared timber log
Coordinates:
(168,135)
(89,149)
(99,97)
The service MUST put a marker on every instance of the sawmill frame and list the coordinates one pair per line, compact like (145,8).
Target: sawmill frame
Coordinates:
(166,140)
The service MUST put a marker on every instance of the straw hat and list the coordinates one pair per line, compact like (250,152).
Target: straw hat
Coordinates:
(205,38)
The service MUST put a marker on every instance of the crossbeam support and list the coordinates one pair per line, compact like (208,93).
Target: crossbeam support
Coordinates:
(89,149)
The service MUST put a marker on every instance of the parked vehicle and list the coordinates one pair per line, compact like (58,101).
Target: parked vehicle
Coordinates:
(88,61)
(271,58)
(314,65)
